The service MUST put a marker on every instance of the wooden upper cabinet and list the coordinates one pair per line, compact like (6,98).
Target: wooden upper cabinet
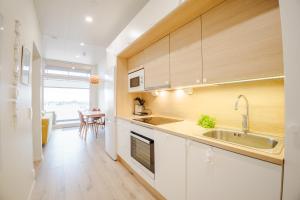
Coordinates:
(157,65)
(242,40)
(186,55)
(136,61)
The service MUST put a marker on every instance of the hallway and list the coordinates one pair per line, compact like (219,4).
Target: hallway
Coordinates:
(76,170)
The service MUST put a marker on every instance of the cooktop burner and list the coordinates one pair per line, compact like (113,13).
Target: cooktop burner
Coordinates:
(157,120)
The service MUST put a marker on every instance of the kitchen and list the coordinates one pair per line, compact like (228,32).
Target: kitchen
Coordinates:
(221,59)
(200,99)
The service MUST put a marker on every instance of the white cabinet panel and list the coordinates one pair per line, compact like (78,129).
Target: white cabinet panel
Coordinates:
(123,130)
(216,174)
(241,177)
(199,171)
(170,165)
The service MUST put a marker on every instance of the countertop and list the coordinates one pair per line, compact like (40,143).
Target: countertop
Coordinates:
(190,130)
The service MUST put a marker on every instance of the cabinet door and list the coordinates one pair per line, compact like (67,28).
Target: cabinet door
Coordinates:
(242,40)
(186,55)
(123,139)
(241,177)
(136,61)
(170,168)
(157,64)
(199,171)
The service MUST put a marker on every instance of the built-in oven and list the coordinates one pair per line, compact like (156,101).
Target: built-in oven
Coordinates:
(142,150)
(136,81)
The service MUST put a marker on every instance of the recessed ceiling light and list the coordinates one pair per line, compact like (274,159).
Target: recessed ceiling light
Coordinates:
(82,44)
(1,28)
(88,19)
(77,56)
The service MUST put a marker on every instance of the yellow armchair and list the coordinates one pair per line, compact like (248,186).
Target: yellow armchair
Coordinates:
(46,127)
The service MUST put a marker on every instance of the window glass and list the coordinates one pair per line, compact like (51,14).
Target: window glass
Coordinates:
(66,90)
(57,72)
(65,102)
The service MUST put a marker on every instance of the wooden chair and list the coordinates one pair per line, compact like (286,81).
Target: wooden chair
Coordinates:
(96,109)
(83,124)
(86,124)
(99,122)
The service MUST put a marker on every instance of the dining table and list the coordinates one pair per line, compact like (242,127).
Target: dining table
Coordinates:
(93,114)
(91,119)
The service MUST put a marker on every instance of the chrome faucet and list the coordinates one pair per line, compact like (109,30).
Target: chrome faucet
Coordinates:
(245,123)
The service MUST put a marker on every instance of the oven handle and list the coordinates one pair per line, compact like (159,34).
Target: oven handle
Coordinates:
(133,134)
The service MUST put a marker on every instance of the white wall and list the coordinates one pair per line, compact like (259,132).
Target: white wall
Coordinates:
(290,15)
(152,13)
(16,159)
(101,72)
(94,89)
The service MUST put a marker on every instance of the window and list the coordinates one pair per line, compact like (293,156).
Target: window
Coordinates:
(65,102)
(66,90)
(67,73)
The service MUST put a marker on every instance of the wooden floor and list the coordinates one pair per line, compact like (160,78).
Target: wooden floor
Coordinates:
(76,170)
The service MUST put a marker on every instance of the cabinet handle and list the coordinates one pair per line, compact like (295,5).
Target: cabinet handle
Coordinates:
(188,143)
(209,156)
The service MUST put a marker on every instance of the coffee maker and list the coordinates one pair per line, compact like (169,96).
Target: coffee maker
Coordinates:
(139,108)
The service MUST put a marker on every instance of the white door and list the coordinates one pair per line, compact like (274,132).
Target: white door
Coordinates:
(170,165)
(199,171)
(123,139)
(110,113)
(241,177)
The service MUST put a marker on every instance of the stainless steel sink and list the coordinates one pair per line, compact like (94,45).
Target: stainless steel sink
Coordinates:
(252,140)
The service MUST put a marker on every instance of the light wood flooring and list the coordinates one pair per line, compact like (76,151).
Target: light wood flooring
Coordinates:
(73,169)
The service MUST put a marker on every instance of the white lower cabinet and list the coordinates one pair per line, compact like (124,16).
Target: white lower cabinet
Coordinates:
(123,139)
(170,166)
(214,174)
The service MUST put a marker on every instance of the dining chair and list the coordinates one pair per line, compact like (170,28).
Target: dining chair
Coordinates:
(86,124)
(96,109)
(83,123)
(96,120)
(99,122)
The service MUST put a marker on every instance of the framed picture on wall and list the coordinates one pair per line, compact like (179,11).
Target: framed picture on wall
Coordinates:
(25,66)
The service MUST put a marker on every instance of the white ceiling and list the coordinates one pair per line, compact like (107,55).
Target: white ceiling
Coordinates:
(63,25)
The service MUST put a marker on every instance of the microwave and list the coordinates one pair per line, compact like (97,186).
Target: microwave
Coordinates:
(136,81)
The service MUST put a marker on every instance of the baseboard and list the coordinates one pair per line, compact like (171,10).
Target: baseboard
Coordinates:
(148,187)
(31,190)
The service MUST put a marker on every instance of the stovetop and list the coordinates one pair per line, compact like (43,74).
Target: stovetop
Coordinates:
(157,120)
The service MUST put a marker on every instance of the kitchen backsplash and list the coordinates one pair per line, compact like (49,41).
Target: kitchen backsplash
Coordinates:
(266,104)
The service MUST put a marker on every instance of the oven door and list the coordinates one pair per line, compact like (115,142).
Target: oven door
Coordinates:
(142,150)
